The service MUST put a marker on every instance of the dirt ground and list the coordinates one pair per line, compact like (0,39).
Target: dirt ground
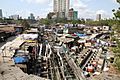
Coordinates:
(11,72)
(7,28)
(112,74)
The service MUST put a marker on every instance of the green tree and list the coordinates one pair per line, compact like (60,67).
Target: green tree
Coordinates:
(116,27)
(98,23)
(61,20)
(118,1)
(45,21)
(116,18)
(25,24)
(83,21)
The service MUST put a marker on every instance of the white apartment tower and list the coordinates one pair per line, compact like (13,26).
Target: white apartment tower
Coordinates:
(1,13)
(61,7)
(98,17)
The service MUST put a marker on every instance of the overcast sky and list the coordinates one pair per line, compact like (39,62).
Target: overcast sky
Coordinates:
(86,8)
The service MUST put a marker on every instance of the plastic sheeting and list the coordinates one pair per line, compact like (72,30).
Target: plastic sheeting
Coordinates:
(20,59)
(30,36)
(81,41)
(66,40)
(80,35)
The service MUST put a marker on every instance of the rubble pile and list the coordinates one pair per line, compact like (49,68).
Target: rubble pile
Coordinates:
(11,72)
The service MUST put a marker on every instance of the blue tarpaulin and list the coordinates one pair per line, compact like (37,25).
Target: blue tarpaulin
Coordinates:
(80,35)
(20,59)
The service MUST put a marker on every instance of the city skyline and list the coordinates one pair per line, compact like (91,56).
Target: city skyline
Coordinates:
(86,8)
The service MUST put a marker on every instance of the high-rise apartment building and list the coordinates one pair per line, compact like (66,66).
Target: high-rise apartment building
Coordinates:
(31,16)
(61,8)
(98,17)
(72,15)
(1,13)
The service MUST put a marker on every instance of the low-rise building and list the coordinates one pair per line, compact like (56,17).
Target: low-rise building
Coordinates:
(18,29)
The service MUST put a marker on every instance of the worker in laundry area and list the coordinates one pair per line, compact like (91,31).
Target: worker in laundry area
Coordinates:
(86,73)
(34,52)
(30,49)
(94,63)
(90,68)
